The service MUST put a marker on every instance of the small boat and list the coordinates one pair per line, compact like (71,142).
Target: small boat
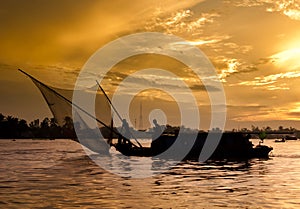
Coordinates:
(280,140)
(287,137)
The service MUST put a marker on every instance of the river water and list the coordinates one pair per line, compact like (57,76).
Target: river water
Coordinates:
(59,174)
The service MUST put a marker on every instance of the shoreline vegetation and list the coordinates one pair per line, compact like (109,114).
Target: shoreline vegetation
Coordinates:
(15,128)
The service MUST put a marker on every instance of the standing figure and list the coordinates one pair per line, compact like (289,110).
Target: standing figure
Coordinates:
(126,134)
(157,130)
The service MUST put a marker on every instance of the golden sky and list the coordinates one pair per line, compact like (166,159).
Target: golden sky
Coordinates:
(254,46)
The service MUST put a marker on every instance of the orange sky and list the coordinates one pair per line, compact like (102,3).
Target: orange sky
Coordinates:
(254,46)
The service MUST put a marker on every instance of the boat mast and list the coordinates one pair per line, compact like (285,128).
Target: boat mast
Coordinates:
(141,118)
(121,119)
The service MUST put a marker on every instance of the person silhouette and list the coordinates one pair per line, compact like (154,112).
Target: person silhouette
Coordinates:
(157,130)
(126,134)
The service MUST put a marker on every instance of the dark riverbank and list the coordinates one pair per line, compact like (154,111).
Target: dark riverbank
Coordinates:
(15,128)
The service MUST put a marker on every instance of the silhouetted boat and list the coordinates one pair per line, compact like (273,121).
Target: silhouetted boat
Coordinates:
(280,140)
(233,145)
(287,137)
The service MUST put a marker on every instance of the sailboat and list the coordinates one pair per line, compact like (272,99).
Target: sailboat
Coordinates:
(233,145)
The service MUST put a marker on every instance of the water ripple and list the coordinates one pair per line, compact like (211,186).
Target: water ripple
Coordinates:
(58,174)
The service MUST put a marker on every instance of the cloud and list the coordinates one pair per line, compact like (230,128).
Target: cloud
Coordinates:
(273,78)
(51,32)
(290,8)
(227,67)
(232,67)
(199,42)
(268,82)
(294,115)
(256,112)
(183,22)
(260,114)
(198,87)
(246,111)
(292,13)
(294,107)
(287,7)
(144,81)
(286,63)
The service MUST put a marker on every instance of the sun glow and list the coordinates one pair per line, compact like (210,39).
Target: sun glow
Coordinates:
(288,59)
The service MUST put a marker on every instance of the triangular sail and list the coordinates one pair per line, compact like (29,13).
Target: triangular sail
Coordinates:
(60,103)
(59,107)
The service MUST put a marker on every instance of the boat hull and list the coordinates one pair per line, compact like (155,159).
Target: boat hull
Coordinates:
(231,146)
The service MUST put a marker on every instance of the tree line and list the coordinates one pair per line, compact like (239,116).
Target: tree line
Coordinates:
(48,128)
(12,127)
